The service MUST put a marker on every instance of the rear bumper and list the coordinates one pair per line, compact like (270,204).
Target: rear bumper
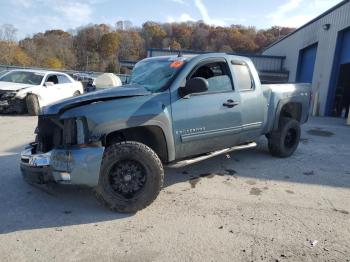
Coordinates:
(76,166)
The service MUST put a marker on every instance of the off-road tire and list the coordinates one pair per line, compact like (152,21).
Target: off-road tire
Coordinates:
(76,93)
(151,163)
(32,103)
(277,139)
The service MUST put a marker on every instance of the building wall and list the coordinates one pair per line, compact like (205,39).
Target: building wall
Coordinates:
(339,20)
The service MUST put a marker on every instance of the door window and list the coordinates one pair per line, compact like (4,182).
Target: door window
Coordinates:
(217,76)
(53,79)
(62,79)
(243,76)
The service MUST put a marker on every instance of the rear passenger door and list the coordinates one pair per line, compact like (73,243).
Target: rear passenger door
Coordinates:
(207,121)
(66,86)
(253,104)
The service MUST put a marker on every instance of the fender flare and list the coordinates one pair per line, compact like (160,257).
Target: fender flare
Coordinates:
(167,133)
(281,104)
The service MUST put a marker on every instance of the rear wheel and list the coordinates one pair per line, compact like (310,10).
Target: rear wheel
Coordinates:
(131,177)
(76,93)
(32,105)
(284,141)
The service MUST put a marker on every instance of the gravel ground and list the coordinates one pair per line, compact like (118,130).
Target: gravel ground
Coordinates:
(247,206)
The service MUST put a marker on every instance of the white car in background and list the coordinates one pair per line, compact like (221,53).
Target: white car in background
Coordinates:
(29,90)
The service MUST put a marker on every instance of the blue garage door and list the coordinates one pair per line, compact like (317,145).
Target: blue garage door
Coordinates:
(342,56)
(307,59)
(345,49)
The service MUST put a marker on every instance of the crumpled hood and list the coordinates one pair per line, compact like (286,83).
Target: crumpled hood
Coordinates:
(102,95)
(9,86)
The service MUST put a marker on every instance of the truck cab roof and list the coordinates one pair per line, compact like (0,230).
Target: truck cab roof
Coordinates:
(186,57)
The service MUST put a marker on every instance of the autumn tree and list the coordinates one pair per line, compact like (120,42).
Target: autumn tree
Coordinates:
(109,44)
(21,58)
(132,46)
(7,43)
(182,33)
(86,46)
(100,47)
(54,62)
(153,34)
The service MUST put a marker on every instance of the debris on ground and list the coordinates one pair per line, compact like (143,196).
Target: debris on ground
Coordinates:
(313,243)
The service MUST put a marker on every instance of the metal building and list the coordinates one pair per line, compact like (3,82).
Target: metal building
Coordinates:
(319,53)
(270,67)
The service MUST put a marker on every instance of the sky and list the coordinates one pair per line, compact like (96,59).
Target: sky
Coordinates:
(32,16)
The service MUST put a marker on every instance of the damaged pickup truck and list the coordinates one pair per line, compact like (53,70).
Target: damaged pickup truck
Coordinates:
(177,110)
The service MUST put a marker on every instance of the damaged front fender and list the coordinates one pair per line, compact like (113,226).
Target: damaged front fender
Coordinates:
(76,166)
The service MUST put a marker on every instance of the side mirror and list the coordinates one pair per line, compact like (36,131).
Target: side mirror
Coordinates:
(47,84)
(193,86)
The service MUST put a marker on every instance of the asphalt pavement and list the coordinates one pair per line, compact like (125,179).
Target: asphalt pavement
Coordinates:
(245,206)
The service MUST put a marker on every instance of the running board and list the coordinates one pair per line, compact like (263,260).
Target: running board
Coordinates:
(210,155)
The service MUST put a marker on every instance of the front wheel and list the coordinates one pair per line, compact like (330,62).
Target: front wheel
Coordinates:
(32,103)
(284,141)
(131,177)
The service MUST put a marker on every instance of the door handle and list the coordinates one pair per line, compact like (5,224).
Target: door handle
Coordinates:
(230,103)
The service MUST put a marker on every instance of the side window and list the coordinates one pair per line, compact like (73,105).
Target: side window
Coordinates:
(217,76)
(53,79)
(243,76)
(62,79)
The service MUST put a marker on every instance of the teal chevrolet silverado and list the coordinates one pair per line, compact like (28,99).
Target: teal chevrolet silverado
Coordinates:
(176,111)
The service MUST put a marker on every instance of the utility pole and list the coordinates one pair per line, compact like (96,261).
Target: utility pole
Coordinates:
(87,62)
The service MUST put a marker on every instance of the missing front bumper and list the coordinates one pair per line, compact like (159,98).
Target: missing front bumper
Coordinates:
(12,106)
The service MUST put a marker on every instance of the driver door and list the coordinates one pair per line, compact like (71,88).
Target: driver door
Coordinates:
(52,93)
(205,122)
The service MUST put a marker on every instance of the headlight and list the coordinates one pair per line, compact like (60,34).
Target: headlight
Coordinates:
(74,131)
(9,95)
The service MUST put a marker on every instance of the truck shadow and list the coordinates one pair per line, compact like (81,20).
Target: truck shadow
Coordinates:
(25,207)
(317,161)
